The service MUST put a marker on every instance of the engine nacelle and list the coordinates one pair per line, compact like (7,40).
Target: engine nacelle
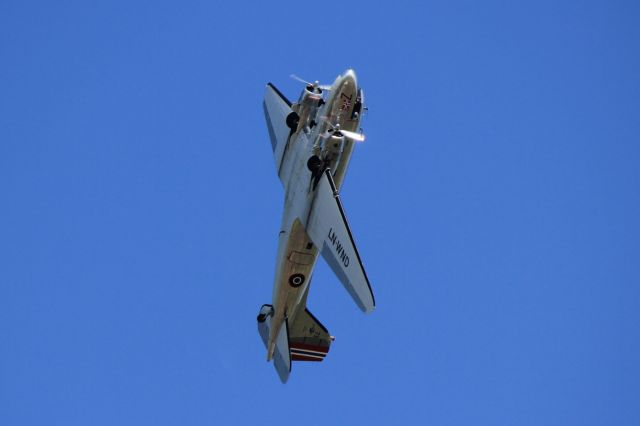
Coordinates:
(332,150)
(307,107)
(310,94)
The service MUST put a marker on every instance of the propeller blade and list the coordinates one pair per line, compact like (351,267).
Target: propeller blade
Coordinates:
(316,84)
(295,77)
(358,137)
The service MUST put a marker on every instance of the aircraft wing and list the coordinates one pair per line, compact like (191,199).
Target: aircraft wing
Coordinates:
(276,110)
(328,229)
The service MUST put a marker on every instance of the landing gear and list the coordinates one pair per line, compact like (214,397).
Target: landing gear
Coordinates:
(314,164)
(317,166)
(292,121)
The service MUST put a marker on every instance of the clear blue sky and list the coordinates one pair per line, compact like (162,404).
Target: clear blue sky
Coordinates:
(496,204)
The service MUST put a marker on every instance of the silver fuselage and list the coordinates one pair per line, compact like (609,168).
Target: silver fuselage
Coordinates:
(297,255)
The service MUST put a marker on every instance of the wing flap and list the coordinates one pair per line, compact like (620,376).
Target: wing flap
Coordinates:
(328,228)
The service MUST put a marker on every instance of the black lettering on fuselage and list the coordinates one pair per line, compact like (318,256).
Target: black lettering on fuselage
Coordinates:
(339,248)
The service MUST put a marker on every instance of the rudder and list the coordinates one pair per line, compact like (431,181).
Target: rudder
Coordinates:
(309,340)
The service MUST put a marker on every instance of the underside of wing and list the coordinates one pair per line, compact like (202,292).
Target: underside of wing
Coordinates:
(276,110)
(328,229)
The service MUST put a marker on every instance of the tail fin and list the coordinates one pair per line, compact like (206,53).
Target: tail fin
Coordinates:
(305,339)
(309,340)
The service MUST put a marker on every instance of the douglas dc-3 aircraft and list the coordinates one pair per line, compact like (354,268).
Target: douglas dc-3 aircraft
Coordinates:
(312,142)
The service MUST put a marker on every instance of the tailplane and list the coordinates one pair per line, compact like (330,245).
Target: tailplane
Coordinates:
(282,353)
(304,339)
(309,340)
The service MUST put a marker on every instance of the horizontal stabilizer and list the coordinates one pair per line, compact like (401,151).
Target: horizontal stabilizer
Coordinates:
(328,229)
(264,323)
(282,355)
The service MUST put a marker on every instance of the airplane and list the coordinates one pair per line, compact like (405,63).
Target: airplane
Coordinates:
(312,142)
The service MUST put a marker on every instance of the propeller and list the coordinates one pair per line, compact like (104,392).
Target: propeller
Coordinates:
(315,85)
(336,131)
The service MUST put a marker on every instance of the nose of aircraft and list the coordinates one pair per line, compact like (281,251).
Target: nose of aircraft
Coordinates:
(348,76)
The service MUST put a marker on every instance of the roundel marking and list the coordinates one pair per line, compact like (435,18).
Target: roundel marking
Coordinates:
(296,280)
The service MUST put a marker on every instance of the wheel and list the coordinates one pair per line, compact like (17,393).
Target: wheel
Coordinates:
(314,163)
(292,121)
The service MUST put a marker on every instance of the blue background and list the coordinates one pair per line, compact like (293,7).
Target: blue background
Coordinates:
(496,204)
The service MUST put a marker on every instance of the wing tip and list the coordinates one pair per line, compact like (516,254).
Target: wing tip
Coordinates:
(369,309)
(279,93)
